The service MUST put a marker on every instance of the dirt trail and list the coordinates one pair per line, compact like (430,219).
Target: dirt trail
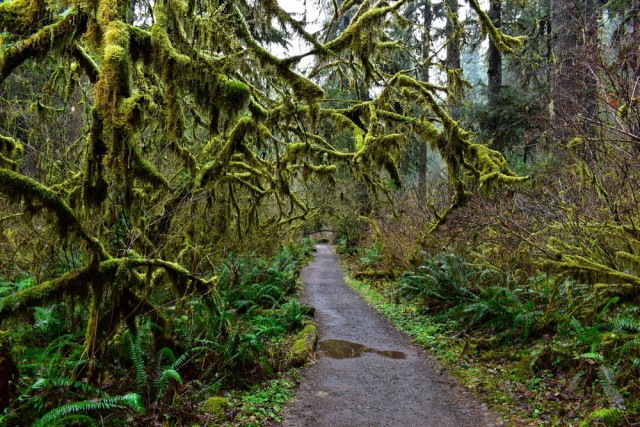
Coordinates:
(368,373)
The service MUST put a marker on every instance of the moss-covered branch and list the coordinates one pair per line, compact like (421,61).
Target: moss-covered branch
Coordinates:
(71,24)
(78,283)
(503,42)
(73,283)
(362,22)
(302,87)
(21,188)
(90,67)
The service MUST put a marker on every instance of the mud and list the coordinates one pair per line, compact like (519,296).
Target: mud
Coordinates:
(368,373)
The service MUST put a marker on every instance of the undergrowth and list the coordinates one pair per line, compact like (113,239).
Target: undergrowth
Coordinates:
(215,360)
(522,345)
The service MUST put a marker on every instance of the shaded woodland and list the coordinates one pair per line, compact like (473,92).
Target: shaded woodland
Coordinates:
(161,163)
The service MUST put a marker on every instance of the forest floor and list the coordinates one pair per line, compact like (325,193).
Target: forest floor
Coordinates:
(368,372)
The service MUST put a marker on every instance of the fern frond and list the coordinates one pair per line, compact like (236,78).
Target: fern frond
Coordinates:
(629,345)
(621,324)
(165,354)
(579,329)
(134,348)
(607,380)
(593,357)
(128,401)
(165,378)
(63,382)
(8,420)
(184,358)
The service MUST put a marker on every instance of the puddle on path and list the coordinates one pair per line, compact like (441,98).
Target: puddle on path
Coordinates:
(341,349)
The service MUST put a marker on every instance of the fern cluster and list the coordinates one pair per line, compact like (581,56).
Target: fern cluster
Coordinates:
(244,331)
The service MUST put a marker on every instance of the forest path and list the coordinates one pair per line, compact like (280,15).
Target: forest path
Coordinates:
(368,373)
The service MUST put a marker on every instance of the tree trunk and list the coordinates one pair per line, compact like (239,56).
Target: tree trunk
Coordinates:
(495,57)
(453,41)
(427,16)
(8,376)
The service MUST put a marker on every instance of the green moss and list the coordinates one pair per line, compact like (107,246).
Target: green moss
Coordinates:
(303,345)
(503,42)
(146,172)
(131,111)
(114,82)
(215,169)
(48,292)
(110,11)
(392,169)
(165,54)
(303,88)
(11,146)
(257,111)
(363,22)
(215,407)
(38,44)
(94,186)
(18,16)
(72,81)
(19,187)
(7,163)
(232,95)
(581,264)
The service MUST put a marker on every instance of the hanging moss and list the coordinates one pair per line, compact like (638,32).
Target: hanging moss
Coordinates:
(215,168)
(89,66)
(456,84)
(114,82)
(67,26)
(94,187)
(230,95)
(146,172)
(303,88)
(72,81)
(578,264)
(392,168)
(504,43)
(11,146)
(8,163)
(52,291)
(19,16)
(21,188)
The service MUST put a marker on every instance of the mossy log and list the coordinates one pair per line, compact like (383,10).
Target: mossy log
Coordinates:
(304,345)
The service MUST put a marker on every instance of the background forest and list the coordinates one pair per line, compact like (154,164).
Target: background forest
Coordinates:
(161,163)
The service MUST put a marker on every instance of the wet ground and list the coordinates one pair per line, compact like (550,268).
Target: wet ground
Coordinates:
(368,373)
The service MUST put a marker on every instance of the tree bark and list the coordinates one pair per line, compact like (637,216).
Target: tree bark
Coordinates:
(427,16)
(453,42)
(495,57)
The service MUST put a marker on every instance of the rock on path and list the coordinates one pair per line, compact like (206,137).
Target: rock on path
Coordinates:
(368,373)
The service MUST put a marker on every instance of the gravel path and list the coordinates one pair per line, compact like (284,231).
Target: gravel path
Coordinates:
(368,373)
